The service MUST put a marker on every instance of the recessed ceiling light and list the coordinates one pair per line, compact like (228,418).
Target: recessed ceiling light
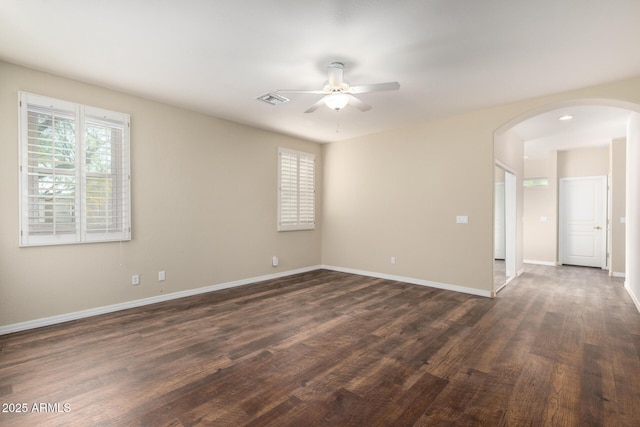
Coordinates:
(565,117)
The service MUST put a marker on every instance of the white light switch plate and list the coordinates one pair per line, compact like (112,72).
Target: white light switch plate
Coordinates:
(462,219)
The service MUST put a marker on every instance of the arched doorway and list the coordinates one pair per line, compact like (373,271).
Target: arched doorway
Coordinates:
(505,139)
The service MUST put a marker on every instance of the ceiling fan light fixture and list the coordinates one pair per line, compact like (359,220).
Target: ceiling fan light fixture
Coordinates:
(336,101)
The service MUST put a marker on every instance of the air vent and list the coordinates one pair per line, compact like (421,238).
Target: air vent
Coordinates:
(273,99)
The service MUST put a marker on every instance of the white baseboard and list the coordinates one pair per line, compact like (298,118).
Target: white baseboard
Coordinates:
(37,323)
(617,274)
(533,261)
(633,297)
(501,287)
(47,321)
(509,280)
(455,288)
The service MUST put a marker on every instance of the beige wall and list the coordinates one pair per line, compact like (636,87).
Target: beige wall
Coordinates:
(541,237)
(618,197)
(397,193)
(590,161)
(204,195)
(536,168)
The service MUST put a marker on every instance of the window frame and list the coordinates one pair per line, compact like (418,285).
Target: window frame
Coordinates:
(80,232)
(302,194)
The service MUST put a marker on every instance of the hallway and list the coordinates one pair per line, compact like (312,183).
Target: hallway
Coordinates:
(583,335)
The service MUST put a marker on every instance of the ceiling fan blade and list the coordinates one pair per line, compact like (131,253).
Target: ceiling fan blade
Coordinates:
(315,106)
(337,92)
(376,87)
(359,104)
(317,92)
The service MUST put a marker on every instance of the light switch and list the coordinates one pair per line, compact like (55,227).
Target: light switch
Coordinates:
(623,220)
(462,219)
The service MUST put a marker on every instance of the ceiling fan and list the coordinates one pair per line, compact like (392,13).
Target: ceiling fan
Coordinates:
(338,93)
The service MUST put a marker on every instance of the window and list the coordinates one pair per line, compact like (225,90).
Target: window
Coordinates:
(296,190)
(74,173)
(535,182)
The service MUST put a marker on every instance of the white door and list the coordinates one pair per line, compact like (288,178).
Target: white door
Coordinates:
(499,221)
(583,217)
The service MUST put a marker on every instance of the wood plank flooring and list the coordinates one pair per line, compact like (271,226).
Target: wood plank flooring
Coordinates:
(558,347)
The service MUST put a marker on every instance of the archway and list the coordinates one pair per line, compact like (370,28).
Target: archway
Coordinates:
(505,152)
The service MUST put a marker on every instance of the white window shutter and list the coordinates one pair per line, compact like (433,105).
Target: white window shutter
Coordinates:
(74,166)
(306,195)
(296,190)
(106,179)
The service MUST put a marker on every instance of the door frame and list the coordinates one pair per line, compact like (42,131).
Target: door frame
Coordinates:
(561,217)
(510,213)
(510,228)
(499,191)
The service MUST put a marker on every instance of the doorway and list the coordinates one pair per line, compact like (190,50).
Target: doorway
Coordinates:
(583,219)
(504,227)
(627,218)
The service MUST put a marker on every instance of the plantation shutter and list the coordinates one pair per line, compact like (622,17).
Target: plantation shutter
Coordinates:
(106,195)
(49,173)
(296,201)
(74,165)
(306,195)
(288,189)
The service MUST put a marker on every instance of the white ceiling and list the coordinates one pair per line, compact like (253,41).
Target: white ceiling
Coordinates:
(590,126)
(217,56)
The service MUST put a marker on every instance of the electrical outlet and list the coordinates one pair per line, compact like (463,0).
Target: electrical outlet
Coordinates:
(135,279)
(275,261)
(393,260)
(162,276)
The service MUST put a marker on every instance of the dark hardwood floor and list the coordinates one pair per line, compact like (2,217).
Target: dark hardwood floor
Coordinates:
(558,347)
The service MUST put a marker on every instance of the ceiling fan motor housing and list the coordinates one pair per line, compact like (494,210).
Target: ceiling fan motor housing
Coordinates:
(335,70)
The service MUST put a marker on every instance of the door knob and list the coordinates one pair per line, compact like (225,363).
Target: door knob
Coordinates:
(597,227)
